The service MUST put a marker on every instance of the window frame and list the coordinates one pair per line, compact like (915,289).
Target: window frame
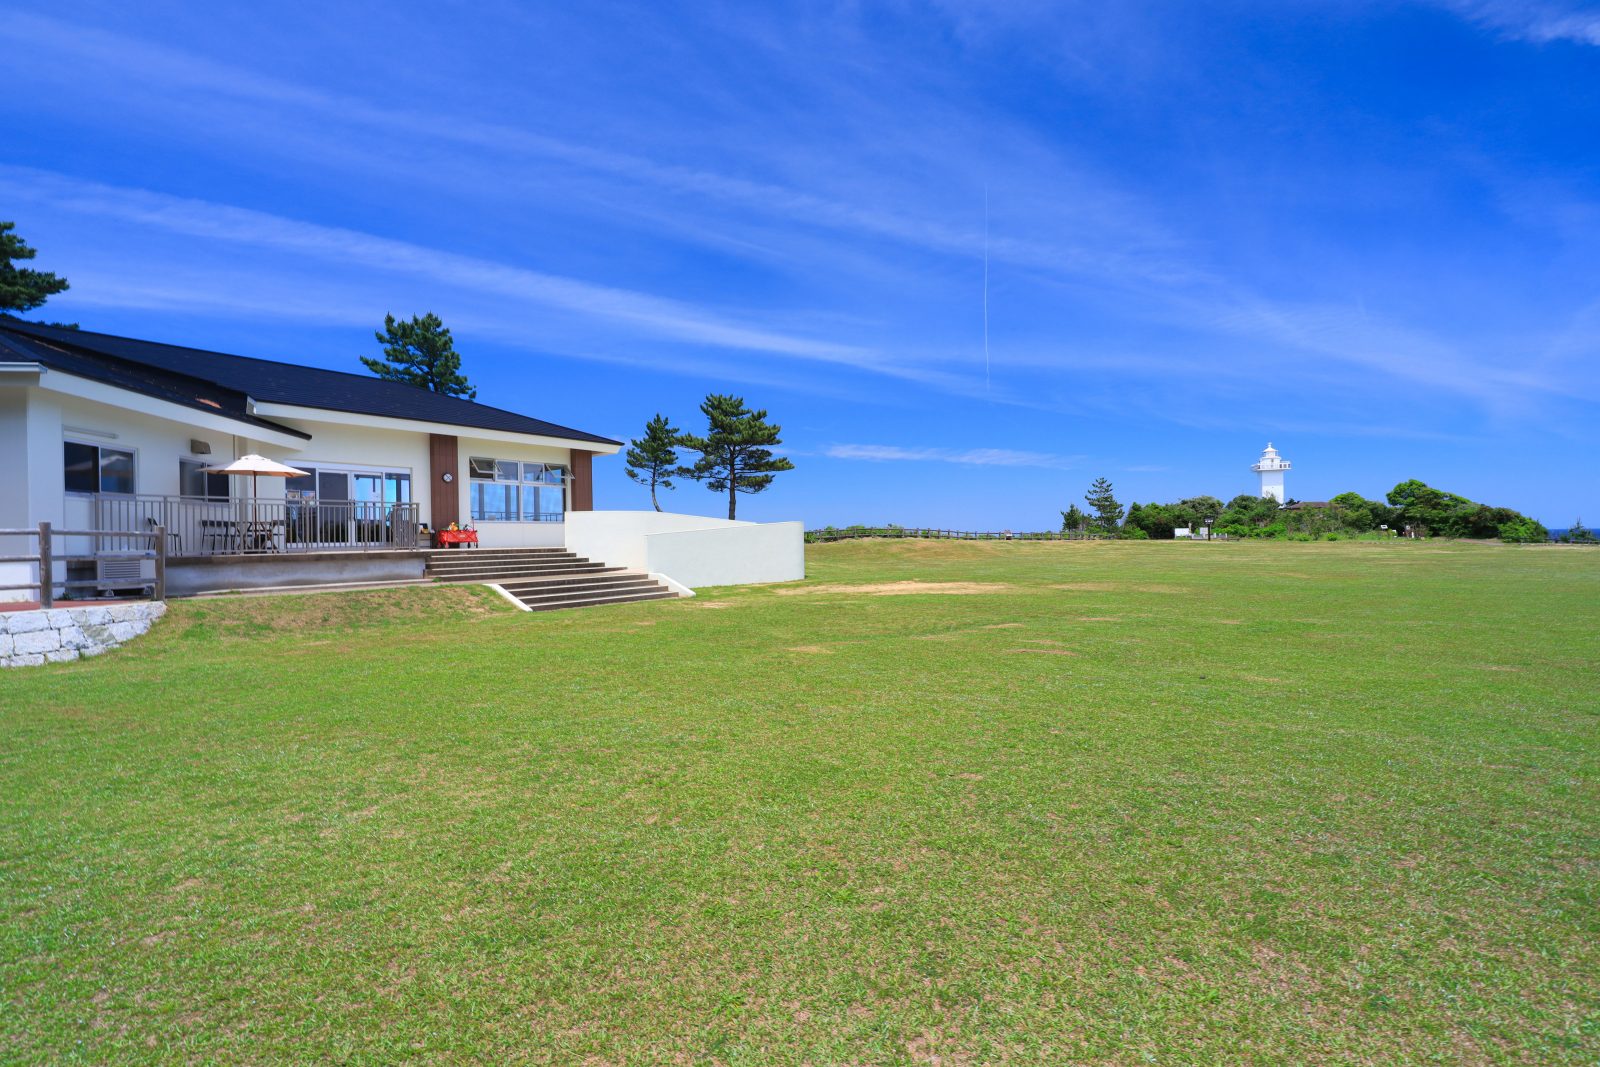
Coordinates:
(99,461)
(550,476)
(208,484)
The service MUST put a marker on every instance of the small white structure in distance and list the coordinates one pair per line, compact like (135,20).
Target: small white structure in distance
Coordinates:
(1271,467)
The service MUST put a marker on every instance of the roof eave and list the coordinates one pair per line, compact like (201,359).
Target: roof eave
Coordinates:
(265,409)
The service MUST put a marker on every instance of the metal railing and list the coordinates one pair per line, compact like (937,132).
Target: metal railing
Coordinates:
(212,526)
(849,533)
(47,557)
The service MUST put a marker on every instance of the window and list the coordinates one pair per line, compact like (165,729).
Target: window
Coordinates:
(192,481)
(543,503)
(505,490)
(93,469)
(337,485)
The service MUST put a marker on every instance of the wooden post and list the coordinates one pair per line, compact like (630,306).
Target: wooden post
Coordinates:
(159,593)
(47,568)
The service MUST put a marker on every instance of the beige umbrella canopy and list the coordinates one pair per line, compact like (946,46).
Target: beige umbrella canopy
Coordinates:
(256,466)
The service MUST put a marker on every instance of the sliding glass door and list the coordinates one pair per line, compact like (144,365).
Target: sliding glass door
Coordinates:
(338,507)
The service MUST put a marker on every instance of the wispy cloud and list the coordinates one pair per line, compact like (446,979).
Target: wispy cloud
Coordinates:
(1140,253)
(1539,21)
(220,222)
(971,457)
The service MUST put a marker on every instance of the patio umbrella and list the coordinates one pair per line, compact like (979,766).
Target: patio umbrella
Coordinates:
(256,466)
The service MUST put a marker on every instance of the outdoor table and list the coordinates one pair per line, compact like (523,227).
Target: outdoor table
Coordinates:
(442,538)
(260,535)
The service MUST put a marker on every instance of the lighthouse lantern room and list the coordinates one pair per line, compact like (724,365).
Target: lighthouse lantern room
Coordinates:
(1271,467)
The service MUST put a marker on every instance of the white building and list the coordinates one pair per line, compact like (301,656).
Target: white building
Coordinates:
(1271,467)
(99,432)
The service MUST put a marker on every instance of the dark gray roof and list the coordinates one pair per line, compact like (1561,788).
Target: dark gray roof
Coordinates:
(179,389)
(146,365)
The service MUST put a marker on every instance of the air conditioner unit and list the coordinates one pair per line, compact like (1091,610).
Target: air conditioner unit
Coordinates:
(198,447)
(120,572)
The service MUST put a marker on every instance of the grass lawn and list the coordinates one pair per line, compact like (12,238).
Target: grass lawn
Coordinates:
(1123,803)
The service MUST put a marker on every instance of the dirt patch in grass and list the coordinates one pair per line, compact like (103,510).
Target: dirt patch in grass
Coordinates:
(336,612)
(1121,587)
(812,649)
(1047,651)
(906,588)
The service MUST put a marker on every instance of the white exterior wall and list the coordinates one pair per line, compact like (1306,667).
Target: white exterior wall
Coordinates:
(692,549)
(15,513)
(618,537)
(1272,485)
(747,555)
(333,445)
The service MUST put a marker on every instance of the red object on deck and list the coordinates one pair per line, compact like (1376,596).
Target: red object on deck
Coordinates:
(442,538)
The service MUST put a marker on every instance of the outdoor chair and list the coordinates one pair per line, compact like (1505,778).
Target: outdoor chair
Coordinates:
(174,539)
(217,530)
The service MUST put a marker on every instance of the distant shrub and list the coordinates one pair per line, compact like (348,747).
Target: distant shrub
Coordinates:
(1523,531)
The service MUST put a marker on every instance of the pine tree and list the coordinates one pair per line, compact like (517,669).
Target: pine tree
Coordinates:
(23,289)
(1107,512)
(1073,520)
(653,459)
(421,353)
(735,453)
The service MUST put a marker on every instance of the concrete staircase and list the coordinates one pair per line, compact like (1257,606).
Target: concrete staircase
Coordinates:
(545,579)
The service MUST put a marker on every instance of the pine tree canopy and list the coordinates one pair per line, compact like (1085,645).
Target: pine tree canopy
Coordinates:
(736,452)
(422,353)
(653,459)
(1107,512)
(22,289)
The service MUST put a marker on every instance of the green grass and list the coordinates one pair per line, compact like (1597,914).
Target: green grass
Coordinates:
(1137,803)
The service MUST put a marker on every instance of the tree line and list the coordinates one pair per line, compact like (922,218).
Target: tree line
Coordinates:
(1412,503)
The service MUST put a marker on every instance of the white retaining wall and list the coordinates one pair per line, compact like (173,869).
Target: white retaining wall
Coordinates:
(691,549)
(56,635)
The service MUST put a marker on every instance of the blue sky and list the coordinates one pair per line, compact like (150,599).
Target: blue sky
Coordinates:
(1369,232)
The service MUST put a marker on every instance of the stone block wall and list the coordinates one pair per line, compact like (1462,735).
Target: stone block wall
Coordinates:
(56,635)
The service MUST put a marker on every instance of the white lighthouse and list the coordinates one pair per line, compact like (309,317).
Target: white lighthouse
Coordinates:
(1271,467)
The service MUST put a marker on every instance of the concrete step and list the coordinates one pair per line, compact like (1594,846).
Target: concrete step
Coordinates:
(612,576)
(497,574)
(557,596)
(451,553)
(487,560)
(601,601)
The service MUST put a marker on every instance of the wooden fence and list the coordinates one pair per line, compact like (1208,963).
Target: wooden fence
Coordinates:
(47,557)
(852,532)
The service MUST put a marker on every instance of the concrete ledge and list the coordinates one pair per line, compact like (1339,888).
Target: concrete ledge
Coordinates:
(59,635)
(192,575)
